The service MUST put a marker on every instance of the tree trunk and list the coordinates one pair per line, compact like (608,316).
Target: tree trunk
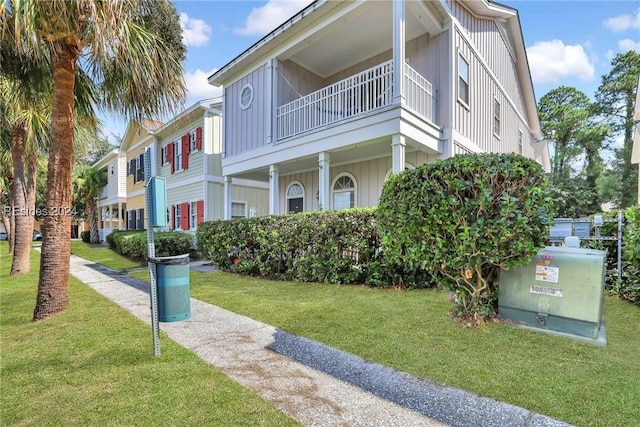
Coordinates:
(94,236)
(56,243)
(23,228)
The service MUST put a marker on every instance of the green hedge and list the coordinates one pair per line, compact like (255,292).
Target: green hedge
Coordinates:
(85,236)
(329,247)
(133,243)
(628,288)
(463,219)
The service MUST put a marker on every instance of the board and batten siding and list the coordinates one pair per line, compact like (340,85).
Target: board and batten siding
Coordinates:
(246,129)
(475,120)
(295,81)
(485,44)
(369,175)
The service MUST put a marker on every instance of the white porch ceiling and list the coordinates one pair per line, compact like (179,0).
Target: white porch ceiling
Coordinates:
(363,33)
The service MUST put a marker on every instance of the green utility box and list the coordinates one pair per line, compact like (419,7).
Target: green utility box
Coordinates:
(174,293)
(561,289)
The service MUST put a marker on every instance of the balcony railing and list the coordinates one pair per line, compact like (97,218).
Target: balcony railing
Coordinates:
(356,95)
(420,95)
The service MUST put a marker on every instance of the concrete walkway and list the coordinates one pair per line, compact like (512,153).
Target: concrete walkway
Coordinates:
(312,383)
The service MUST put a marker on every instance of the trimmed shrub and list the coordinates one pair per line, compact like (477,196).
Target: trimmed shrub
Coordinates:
(133,243)
(462,219)
(85,236)
(330,246)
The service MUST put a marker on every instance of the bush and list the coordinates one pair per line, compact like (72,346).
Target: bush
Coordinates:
(133,243)
(330,246)
(462,219)
(85,236)
(628,288)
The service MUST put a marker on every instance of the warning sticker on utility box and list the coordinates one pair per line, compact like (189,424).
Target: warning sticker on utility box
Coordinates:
(542,290)
(547,273)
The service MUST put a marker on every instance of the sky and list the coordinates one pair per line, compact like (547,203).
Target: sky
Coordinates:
(568,42)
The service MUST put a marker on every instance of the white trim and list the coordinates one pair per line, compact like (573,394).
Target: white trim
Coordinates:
(355,188)
(379,125)
(246,105)
(302,196)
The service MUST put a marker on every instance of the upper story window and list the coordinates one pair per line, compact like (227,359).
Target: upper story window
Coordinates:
(177,155)
(295,197)
(496,117)
(164,158)
(344,192)
(246,96)
(192,141)
(463,79)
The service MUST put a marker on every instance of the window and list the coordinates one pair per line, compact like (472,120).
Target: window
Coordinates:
(164,159)
(177,155)
(178,216)
(246,96)
(137,168)
(496,117)
(344,192)
(519,141)
(192,141)
(193,216)
(140,219)
(295,197)
(463,79)
(238,209)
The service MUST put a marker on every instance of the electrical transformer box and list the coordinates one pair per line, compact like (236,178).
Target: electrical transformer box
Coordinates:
(561,289)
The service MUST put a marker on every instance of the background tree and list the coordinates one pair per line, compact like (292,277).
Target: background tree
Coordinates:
(567,117)
(138,73)
(87,186)
(615,100)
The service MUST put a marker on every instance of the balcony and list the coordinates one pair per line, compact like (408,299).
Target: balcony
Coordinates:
(353,97)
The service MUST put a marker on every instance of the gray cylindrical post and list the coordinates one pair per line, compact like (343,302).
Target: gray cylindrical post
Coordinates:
(620,245)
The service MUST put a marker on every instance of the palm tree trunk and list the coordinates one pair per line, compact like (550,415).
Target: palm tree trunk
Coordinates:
(22,226)
(94,237)
(56,243)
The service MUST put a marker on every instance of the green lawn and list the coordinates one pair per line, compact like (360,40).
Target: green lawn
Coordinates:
(411,331)
(101,254)
(93,365)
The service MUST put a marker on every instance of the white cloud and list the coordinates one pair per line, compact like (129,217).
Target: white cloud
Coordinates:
(625,22)
(198,88)
(195,32)
(551,61)
(628,44)
(264,19)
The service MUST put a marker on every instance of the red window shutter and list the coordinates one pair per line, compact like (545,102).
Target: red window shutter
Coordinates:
(173,217)
(185,151)
(200,206)
(170,157)
(199,138)
(184,212)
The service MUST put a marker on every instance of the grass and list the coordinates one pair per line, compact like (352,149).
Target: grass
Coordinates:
(411,331)
(94,365)
(101,254)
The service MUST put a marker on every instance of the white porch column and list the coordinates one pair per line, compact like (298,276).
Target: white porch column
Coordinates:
(119,215)
(274,190)
(398,51)
(111,217)
(228,194)
(398,146)
(324,183)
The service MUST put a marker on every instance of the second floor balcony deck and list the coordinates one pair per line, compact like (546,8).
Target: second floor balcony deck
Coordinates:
(355,96)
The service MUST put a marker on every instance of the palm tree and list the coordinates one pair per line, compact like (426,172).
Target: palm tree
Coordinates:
(87,187)
(138,72)
(25,119)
